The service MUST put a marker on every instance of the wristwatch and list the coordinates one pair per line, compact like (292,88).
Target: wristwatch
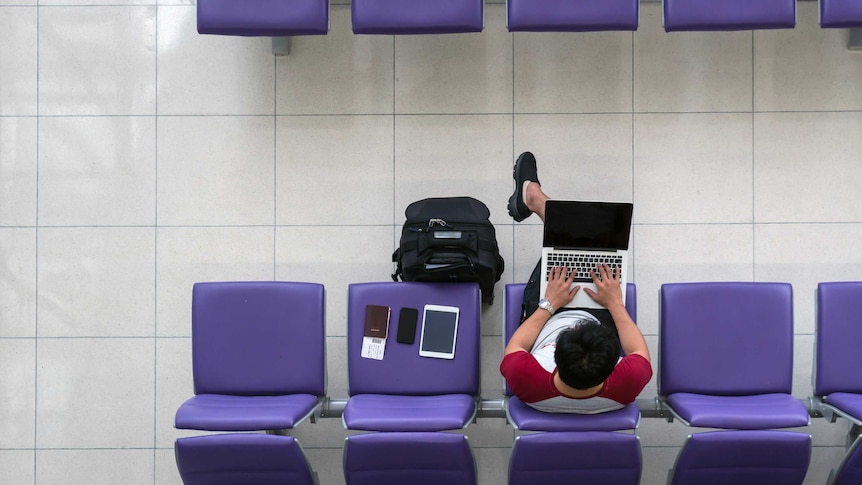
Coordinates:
(546,305)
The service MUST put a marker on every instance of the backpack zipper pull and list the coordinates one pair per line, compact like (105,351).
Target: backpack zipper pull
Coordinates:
(441,222)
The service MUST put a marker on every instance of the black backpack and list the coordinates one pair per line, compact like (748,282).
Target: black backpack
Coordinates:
(449,239)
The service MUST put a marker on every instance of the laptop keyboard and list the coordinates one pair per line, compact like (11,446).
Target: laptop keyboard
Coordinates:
(581,264)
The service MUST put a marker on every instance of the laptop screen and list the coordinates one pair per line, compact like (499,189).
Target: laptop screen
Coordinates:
(587,225)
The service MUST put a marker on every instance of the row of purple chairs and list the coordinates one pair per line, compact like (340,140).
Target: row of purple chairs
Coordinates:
(725,362)
(395,17)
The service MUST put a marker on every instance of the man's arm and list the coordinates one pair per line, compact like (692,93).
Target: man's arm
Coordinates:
(559,292)
(610,296)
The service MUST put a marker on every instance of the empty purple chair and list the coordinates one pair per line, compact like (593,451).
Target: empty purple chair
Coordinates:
(849,471)
(249,459)
(269,18)
(258,356)
(728,14)
(582,457)
(568,16)
(524,417)
(743,458)
(406,392)
(408,459)
(401,17)
(726,355)
(840,13)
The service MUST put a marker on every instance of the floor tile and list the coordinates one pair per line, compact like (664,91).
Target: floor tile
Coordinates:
(94,393)
(356,78)
(97,60)
(211,74)
(97,171)
(456,73)
(96,282)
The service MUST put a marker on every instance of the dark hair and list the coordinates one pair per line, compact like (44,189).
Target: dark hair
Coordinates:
(586,355)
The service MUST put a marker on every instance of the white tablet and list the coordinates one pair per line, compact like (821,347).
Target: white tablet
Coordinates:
(439,329)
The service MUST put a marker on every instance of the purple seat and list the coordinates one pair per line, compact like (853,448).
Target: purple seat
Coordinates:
(728,14)
(270,18)
(568,457)
(849,471)
(258,356)
(401,17)
(840,13)
(526,418)
(406,392)
(726,355)
(837,381)
(250,459)
(743,458)
(568,16)
(408,458)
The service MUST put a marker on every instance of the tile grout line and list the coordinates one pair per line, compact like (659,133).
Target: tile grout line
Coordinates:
(36,263)
(156,255)
(633,260)
(274,164)
(753,161)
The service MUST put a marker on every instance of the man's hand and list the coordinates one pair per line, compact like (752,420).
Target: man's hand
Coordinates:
(560,290)
(608,285)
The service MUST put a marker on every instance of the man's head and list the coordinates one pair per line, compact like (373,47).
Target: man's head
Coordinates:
(586,355)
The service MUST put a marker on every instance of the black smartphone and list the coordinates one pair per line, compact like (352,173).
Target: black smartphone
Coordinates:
(407,326)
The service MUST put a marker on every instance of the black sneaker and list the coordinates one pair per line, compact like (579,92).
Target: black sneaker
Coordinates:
(525,169)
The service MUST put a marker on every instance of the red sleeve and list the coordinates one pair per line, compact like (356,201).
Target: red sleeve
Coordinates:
(527,379)
(628,379)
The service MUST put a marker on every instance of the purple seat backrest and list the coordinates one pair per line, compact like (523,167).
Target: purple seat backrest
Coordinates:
(584,457)
(247,458)
(514,298)
(417,16)
(840,13)
(728,14)
(271,18)
(726,338)
(838,337)
(402,371)
(743,458)
(258,338)
(569,16)
(417,458)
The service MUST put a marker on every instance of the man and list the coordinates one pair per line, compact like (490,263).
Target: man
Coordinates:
(569,361)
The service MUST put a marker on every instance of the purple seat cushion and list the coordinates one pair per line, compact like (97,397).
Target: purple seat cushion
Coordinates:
(849,403)
(729,14)
(375,412)
(528,419)
(408,459)
(743,458)
(839,331)
(740,412)
(211,412)
(569,16)
(417,16)
(250,459)
(575,458)
(276,18)
(840,13)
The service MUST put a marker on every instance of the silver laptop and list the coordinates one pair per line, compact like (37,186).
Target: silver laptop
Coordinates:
(583,235)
